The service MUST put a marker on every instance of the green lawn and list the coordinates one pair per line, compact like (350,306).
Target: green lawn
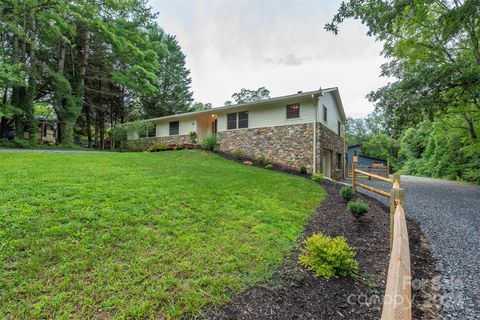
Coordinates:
(139,235)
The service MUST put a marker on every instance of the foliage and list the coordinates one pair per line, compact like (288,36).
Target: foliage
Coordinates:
(358,207)
(16,143)
(143,214)
(328,257)
(269,166)
(246,95)
(193,137)
(303,169)
(158,146)
(237,154)
(318,177)
(210,142)
(434,55)
(173,79)
(347,193)
(259,160)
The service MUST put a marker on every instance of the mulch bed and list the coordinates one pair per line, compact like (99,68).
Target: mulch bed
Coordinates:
(294,293)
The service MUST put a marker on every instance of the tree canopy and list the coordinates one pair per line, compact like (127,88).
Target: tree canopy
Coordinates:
(97,63)
(433,52)
(246,95)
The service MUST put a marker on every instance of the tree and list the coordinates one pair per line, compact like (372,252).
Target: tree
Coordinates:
(173,78)
(246,95)
(433,48)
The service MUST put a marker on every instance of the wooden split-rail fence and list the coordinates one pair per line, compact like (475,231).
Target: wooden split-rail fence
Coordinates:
(397,303)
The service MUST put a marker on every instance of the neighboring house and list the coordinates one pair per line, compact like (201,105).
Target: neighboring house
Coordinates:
(303,129)
(46,128)
(362,159)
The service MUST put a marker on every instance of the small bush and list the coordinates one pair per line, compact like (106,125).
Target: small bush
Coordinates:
(318,177)
(328,257)
(193,137)
(179,147)
(210,143)
(303,170)
(237,154)
(358,207)
(259,160)
(269,167)
(159,146)
(347,193)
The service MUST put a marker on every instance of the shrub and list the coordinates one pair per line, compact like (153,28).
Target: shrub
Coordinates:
(328,257)
(259,160)
(269,167)
(210,143)
(193,137)
(358,207)
(318,177)
(159,146)
(237,154)
(303,169)
(347,193)
(179,147)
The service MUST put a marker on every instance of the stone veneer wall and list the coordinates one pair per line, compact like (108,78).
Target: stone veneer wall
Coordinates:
(329,140)
(142,143)
(289,146)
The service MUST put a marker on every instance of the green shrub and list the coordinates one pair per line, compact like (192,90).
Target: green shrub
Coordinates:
(237,154)
(17,143)
(179,147)
(260,160)
(347,193)
(155,147)
(210,143)
(303,169)
(318,177)
(328,257)
(358,207)
(269,167)
(193,137)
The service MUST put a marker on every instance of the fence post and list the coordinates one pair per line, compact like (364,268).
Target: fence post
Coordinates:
(396,180)
(354,174)
(396,194)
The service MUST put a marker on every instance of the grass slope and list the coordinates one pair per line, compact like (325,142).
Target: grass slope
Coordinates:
(139,235)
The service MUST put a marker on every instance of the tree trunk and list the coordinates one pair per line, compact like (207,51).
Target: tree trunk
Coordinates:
(88,121)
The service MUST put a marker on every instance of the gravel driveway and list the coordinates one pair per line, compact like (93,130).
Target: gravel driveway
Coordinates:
(449,213)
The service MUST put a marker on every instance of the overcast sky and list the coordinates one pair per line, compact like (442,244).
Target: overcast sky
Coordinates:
(281,45)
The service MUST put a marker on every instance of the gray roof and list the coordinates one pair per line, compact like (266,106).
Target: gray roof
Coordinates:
(300,95)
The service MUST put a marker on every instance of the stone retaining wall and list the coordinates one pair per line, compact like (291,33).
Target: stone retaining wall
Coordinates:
(143,143)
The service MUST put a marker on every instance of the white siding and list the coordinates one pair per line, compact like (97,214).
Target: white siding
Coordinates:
(259,117)
(333,116)
(185,127)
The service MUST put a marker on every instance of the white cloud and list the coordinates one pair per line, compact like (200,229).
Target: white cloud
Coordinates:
(277,44)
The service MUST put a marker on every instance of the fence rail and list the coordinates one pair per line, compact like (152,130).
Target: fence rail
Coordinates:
(397,303)
(380,171)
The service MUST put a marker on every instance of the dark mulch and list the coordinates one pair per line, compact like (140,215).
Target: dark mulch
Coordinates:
(294,293)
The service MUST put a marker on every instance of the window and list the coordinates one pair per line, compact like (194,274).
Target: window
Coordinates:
(355,152)
(339,128)
(339,161)
(243,119)
(174,126)
(324,113)
(232,121)
(293,111)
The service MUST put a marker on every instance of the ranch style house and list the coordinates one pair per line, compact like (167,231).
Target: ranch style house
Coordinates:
(303,129)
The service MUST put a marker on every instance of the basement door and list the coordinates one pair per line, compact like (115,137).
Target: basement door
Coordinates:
(327,163)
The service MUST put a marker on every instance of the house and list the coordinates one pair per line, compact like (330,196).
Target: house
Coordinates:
(46,128)
(303,129)
(366,163)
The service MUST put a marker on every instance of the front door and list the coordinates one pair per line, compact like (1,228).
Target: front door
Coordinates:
(214,126)
(327,163)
